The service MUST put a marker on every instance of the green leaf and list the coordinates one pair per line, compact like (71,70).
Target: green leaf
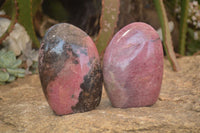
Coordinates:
(2,52)
(109,17)
(4,76)
(17,63)
(26,19)
(167,41)
(11,78)
(183,25)
(7,59)
(20,75)
(15,72)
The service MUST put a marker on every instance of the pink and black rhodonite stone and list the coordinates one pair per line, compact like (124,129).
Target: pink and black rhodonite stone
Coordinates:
(70,70)
(133,66)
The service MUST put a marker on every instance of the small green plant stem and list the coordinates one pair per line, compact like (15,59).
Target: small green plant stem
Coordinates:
(26,19)
(167,41)
(183,25)
(108,22)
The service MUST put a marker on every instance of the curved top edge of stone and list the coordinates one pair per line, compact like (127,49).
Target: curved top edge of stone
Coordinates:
(65,31)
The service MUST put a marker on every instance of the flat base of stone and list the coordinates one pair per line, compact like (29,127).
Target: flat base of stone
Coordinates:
(23,107)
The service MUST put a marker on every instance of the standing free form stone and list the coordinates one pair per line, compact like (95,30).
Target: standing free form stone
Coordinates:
(133,66)
(70,71)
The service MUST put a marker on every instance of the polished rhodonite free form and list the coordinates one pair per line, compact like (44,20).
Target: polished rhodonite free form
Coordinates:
(133,66)
(70,70)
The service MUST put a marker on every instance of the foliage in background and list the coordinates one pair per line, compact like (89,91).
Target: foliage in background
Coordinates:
(30,57)
(13,14)
(167,41)
(193,43)
(25,13)
(109,17)
(26,19)
(183,25)
(108,22)
(172,6)
(53,8)
(193,30)
(193,14)
(9,70)
(192,34)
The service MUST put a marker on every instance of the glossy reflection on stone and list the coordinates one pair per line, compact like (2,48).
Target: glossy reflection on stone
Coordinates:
(133,66)
(70,70)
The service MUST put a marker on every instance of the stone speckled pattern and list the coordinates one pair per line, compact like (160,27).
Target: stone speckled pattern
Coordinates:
(133,66)
(24,109)
(70,70)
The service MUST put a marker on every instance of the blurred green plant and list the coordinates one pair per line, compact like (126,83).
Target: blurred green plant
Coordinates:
(13,14)
(188,14)
(193,31)
(53,8)
(108,22)
(9,70)
(23,12)
(167,41)
(171,5)
(183,25)
(193,43)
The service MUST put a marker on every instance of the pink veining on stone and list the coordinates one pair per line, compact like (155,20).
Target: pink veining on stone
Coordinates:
(70,70)
(65,89)
(133,66)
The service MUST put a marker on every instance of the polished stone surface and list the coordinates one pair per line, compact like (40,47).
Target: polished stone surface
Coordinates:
(133,66)
(70,70)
